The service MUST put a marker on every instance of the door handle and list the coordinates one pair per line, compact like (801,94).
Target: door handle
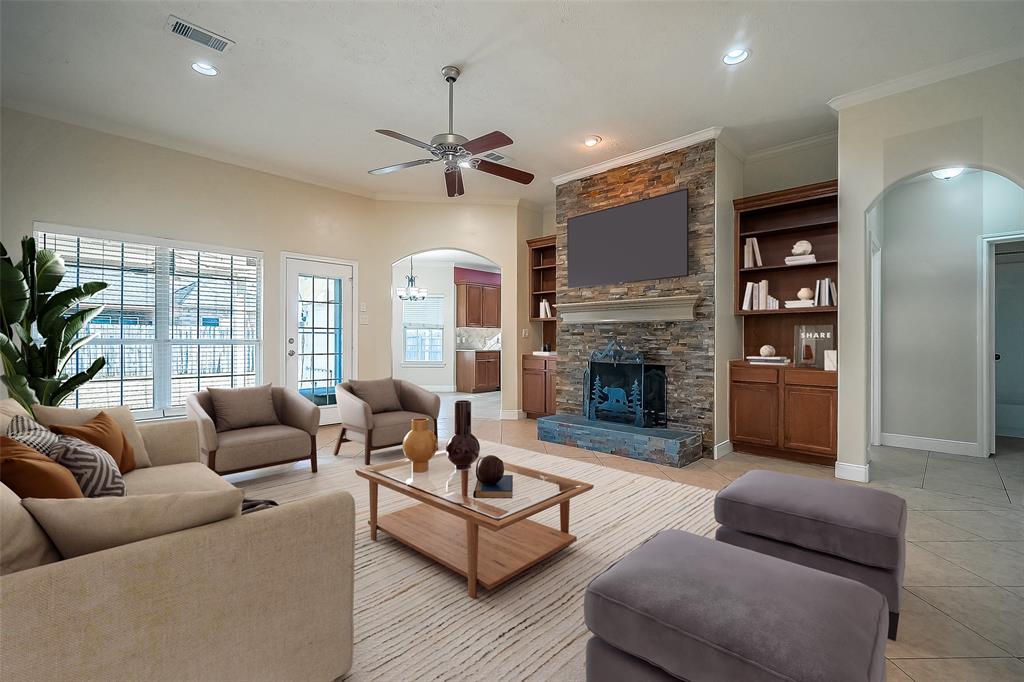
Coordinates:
(291,353)
(998,356)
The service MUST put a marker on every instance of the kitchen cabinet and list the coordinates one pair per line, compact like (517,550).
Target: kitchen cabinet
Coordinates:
(477,305)
(538,385)
(477,371)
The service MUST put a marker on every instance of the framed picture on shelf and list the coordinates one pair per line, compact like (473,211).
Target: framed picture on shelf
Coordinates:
(810,343)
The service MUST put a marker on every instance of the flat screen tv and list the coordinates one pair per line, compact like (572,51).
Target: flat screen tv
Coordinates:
(642,240)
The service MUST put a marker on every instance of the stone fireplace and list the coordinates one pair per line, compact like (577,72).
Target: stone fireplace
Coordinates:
(623,389)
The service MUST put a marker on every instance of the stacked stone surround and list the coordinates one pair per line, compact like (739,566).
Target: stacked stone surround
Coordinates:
(687,349)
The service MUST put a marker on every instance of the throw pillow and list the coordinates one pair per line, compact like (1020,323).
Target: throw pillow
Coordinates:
(103,432)
(243,408)
(379,394)
(10,408)
(33,434)
(30,473)
(66,416)
(24,543)
(92,525)
(93,467)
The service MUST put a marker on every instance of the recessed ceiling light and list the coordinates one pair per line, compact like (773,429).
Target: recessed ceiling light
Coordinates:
(591,140)
(204,68)
(733,57)
(947,173)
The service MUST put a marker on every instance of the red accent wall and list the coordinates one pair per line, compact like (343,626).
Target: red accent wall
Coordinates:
(469,276)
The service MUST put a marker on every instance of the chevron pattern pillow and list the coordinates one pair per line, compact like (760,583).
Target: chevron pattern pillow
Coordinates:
(29,432)
(93,467)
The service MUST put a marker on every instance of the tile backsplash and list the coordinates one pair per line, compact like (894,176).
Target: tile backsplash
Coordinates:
(477,338)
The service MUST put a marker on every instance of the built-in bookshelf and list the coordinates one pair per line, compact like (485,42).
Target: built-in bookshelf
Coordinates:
(542,284)
(777,221)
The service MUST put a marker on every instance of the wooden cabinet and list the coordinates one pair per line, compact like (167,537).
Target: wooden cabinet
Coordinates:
(477,371)
(538,384)
(783,411)
(477,305)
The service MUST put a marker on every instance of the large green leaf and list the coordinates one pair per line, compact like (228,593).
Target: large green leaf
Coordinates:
(69,351)
(49,271)
(17,388)
(72,384)
(28,268)
(14,363)
(14,294)
(75,322)
(58,305)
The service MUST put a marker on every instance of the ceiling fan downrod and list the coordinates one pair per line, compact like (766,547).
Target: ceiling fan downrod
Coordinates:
(451,74)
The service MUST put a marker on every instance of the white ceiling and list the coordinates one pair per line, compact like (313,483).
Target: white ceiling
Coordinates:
(458,257)
(307,83)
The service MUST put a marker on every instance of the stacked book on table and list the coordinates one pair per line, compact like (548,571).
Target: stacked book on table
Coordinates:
(761,360)
(756,297)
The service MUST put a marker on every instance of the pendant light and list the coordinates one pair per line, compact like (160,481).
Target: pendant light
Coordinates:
(411,292)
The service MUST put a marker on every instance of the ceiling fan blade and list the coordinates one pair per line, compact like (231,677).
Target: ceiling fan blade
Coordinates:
(400,166)
(406,138)
(501,171)
(486,143)
(453,182)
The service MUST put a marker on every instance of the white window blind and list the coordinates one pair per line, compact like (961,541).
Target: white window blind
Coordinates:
(423,329)
(177,318)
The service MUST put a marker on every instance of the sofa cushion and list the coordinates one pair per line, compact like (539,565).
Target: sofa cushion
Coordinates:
(10,408)
(94,469)
(65,416)
(79,527)
(173,478)
(379,394)
(30,473)
(260,445)
(860,524)
(704,610)
(105,433)
(24,543)
(390,428)
(242,408)
(28,431)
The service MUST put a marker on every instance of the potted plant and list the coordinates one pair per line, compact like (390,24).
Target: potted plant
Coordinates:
(38,332)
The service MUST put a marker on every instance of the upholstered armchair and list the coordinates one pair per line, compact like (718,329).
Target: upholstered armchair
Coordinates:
(287,434)
(377,413)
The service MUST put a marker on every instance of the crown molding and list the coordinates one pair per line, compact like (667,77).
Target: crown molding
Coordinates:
(935,74)
(647,153)
(816,140)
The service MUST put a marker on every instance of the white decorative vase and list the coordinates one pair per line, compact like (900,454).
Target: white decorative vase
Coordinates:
(805,294)
(801,248)
(767,351)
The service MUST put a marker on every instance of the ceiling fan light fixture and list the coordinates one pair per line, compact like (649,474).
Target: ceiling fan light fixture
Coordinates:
(205,69)
(591,140)
(736,56)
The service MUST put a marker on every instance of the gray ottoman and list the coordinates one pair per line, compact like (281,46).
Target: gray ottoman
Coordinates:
(841,528)
(688,608)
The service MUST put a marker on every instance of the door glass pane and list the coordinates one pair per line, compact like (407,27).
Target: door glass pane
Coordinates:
(318,349)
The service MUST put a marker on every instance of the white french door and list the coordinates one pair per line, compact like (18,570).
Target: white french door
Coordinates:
(318,329)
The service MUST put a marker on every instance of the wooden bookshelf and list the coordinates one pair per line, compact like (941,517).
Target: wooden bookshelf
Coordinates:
(542,284)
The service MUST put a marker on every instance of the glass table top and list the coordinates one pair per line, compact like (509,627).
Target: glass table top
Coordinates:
(443,480)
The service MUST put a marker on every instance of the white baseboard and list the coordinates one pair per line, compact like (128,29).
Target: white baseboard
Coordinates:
(440,388)
(853,472)
(511,415)
(722,449)
(949,447)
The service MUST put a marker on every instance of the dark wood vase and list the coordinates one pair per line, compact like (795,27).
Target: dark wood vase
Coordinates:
(463,447)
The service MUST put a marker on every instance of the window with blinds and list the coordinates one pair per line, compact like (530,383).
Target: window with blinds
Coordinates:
(176,319)
(423,330)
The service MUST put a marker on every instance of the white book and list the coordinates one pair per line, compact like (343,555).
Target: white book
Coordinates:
(757,252)
(756,304)
(761,362)
(817,293)
(835,294)
(764,294)
(799,260)
(747,295)
(800,303)
(770,358)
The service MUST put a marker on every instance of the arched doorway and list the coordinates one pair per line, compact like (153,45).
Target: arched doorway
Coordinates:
(939,240)
(446,327)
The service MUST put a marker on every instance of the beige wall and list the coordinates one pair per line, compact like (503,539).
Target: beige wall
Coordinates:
(972,120)
(801,163)
(729,185)
(65,174)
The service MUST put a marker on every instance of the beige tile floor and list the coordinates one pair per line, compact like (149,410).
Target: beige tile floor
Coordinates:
(963,604)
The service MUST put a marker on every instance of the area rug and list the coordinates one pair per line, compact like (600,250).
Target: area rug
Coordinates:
(414,620)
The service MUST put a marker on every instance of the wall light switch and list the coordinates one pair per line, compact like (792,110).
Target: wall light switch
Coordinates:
(364,319)
(362,307)
(526,333)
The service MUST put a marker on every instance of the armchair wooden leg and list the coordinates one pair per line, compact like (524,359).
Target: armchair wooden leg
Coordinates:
(312,452)
(211,460)
(366,445)
(341,437)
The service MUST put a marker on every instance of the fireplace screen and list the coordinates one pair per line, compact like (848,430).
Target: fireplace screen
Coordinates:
(622,388)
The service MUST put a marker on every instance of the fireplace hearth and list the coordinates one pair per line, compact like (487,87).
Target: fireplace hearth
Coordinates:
(622,388)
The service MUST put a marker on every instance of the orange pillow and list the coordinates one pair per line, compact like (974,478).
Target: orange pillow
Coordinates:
(103,432)
(32,474)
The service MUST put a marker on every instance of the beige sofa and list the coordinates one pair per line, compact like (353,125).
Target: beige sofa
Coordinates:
(264,596)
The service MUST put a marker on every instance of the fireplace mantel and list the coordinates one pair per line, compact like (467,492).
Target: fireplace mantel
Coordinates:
(651,309)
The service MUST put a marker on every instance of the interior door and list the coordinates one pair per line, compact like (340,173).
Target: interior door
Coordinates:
(318,324)
(1009,341)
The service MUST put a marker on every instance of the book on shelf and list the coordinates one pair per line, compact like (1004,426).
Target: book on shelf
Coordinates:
(769,360)
(764,362)
(751,253)
(825,292)
(545,309)
(757,253)
(800,260)
(502,488)
(799,303)
(756,297)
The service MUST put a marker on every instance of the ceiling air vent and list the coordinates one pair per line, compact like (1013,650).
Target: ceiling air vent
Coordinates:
(494,156)
(198,34)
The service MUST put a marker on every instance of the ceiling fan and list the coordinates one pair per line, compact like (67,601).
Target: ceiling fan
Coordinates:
(456,151)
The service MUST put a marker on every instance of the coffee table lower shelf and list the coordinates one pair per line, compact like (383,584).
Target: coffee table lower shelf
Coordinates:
(500,555)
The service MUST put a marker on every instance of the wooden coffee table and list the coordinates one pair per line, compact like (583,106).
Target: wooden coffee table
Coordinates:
(490,541)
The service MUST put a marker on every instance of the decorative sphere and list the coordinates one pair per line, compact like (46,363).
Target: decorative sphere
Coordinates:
(805,294)
(801,248)
(767,351)
(489,470)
